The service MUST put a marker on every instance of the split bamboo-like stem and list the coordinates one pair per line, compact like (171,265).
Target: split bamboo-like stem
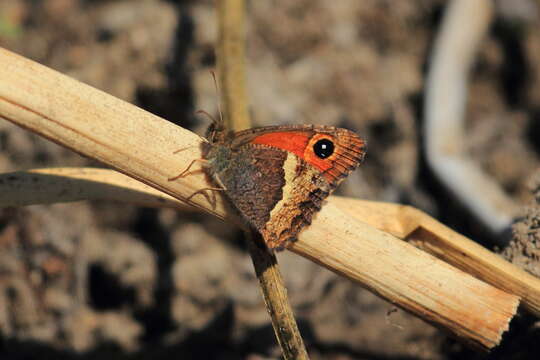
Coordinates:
(420,229)
(141,145)
(54,185)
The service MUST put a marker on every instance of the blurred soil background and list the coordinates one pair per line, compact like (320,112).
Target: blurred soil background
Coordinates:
(113,281)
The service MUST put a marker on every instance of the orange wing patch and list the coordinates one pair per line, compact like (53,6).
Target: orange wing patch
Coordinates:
(293,141)
(349,149)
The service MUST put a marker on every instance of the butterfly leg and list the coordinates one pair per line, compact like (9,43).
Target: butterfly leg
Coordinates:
(186,171)
(182,149)
(205,192)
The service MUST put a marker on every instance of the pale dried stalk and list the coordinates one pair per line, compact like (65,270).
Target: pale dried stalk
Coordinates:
(61,185)
(464,26)
(100,126)
(398,271)
(141,145)
(275,297)
(415,226)
(54,185)
(231,61)
(57,185)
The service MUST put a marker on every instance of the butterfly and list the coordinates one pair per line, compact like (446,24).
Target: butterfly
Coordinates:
(278,177)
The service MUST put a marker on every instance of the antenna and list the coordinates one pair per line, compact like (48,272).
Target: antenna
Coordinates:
(216,85)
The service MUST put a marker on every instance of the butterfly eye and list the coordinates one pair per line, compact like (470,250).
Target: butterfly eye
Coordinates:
(323,148)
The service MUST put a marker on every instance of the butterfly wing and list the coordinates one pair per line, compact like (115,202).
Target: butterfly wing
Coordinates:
(253,177)
(278,177)
(349,148)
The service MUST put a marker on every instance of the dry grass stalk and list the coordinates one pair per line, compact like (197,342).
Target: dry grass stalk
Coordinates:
(56,185)
(232,73)
(94,124)
(464,26)
(231,61)
(415,226)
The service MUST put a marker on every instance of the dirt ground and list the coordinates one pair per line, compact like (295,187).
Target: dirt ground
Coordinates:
(109,280)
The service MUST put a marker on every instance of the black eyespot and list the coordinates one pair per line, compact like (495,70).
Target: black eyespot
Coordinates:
(323,148)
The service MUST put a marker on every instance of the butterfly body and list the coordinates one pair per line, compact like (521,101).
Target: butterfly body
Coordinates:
(278,176)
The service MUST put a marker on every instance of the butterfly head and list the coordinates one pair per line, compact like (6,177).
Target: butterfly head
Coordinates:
(216,132)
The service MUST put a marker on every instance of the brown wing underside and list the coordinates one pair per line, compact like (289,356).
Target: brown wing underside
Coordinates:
(276,192)
(255,182)
(277,182)
(303,197)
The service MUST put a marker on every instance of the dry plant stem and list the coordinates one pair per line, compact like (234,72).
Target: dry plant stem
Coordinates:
(463,28)
(100,126)
(60,185)
(141,145)
(232,70)
(275,297)
(231,61)
(456,301)
(54,185)
(415,226)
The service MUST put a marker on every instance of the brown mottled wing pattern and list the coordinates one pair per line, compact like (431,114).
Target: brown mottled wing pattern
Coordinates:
(277,189)
(254,181)
(303,196)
